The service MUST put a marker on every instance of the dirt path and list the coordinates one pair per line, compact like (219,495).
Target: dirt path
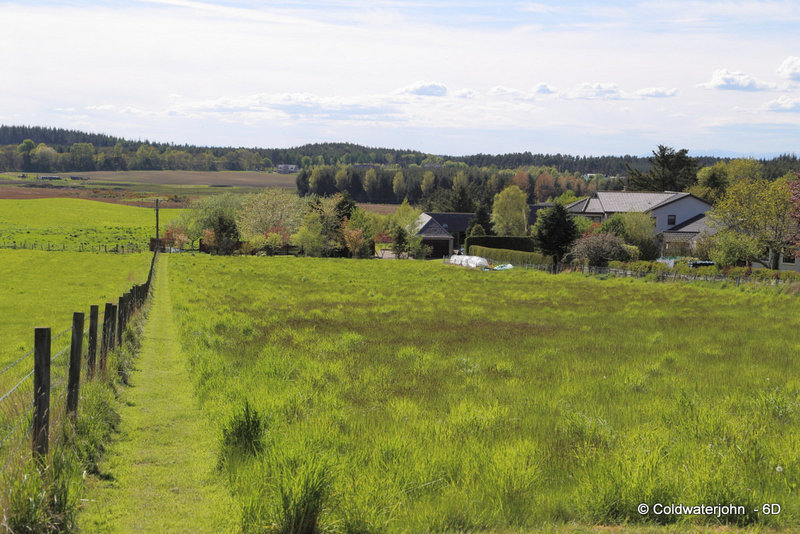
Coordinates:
(159,472)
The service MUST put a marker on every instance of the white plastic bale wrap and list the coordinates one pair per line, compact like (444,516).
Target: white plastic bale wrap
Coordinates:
(469,261)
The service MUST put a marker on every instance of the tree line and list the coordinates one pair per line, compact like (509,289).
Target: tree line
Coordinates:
(449,187)
(56,147)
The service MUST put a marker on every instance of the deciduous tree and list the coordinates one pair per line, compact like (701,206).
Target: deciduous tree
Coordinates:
(510,212)
(761,210)
(267,210)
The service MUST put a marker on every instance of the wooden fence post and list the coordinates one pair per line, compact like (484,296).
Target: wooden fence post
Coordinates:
(106,338)
(92,356)
(41,392)
(113,330)
(120,319)
(74,381)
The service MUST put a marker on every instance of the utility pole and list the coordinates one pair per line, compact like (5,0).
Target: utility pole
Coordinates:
(157,232)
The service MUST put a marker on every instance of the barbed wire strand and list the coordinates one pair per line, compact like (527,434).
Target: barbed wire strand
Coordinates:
(19,443)
(60,334)
(59,353)
(12,390)
(9,366)
(15,427)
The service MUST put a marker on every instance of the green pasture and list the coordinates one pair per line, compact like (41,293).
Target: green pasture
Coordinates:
(74,223)
(405,396)
(45,288)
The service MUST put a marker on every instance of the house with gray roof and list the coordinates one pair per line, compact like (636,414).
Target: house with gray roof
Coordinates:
(680,218)
(435,235)
(443,231)
(669,209)
(681,239)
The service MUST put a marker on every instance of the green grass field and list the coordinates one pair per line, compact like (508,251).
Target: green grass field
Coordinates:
(401,396)
(76,223)
(45,288)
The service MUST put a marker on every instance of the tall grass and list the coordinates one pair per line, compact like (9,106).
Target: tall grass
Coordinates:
(416,397)
(43,496)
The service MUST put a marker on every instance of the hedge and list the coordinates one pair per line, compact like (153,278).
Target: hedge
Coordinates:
(516,257)
(506,242)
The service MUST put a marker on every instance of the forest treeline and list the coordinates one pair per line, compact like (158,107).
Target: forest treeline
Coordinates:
(41,149)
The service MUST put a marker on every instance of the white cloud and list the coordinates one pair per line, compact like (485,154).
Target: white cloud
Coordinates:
(296,71)
(425,89)
(790,68)
(784,104)
(735,81)
(465,93)
(544,89)
(507,92)
(657,92)
(536,7)
(595,91)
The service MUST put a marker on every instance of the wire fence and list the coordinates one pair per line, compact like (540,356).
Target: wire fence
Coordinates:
(48,385)
(118,248)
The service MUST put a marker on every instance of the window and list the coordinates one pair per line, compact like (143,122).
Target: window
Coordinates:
(789,255)
(671,220)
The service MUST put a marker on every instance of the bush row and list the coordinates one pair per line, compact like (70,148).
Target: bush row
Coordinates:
(516,257)
(506,242)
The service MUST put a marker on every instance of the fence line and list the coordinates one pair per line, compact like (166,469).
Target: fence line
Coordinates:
(129,248)
(26,407)
(661,276)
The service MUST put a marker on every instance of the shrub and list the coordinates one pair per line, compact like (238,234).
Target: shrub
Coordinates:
(599,249)
(515,257)
(477,231)
(243,436)
(302,487)
(633,252)
(418,251)
(731,248)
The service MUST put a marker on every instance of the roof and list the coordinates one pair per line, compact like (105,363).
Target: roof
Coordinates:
(430,228)
(695,225)
(452,221)
(535,209)
(625,202)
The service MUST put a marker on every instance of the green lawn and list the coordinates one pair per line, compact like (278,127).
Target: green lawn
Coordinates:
(72,223)
(402,396)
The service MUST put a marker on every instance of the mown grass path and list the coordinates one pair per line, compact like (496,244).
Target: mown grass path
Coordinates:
(159,472)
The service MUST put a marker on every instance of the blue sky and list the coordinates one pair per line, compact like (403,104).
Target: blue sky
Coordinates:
(575,77)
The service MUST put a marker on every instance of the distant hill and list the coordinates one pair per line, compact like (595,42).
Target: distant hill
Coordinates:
(54,137)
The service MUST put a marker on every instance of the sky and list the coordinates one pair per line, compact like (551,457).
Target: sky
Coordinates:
(461,77)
